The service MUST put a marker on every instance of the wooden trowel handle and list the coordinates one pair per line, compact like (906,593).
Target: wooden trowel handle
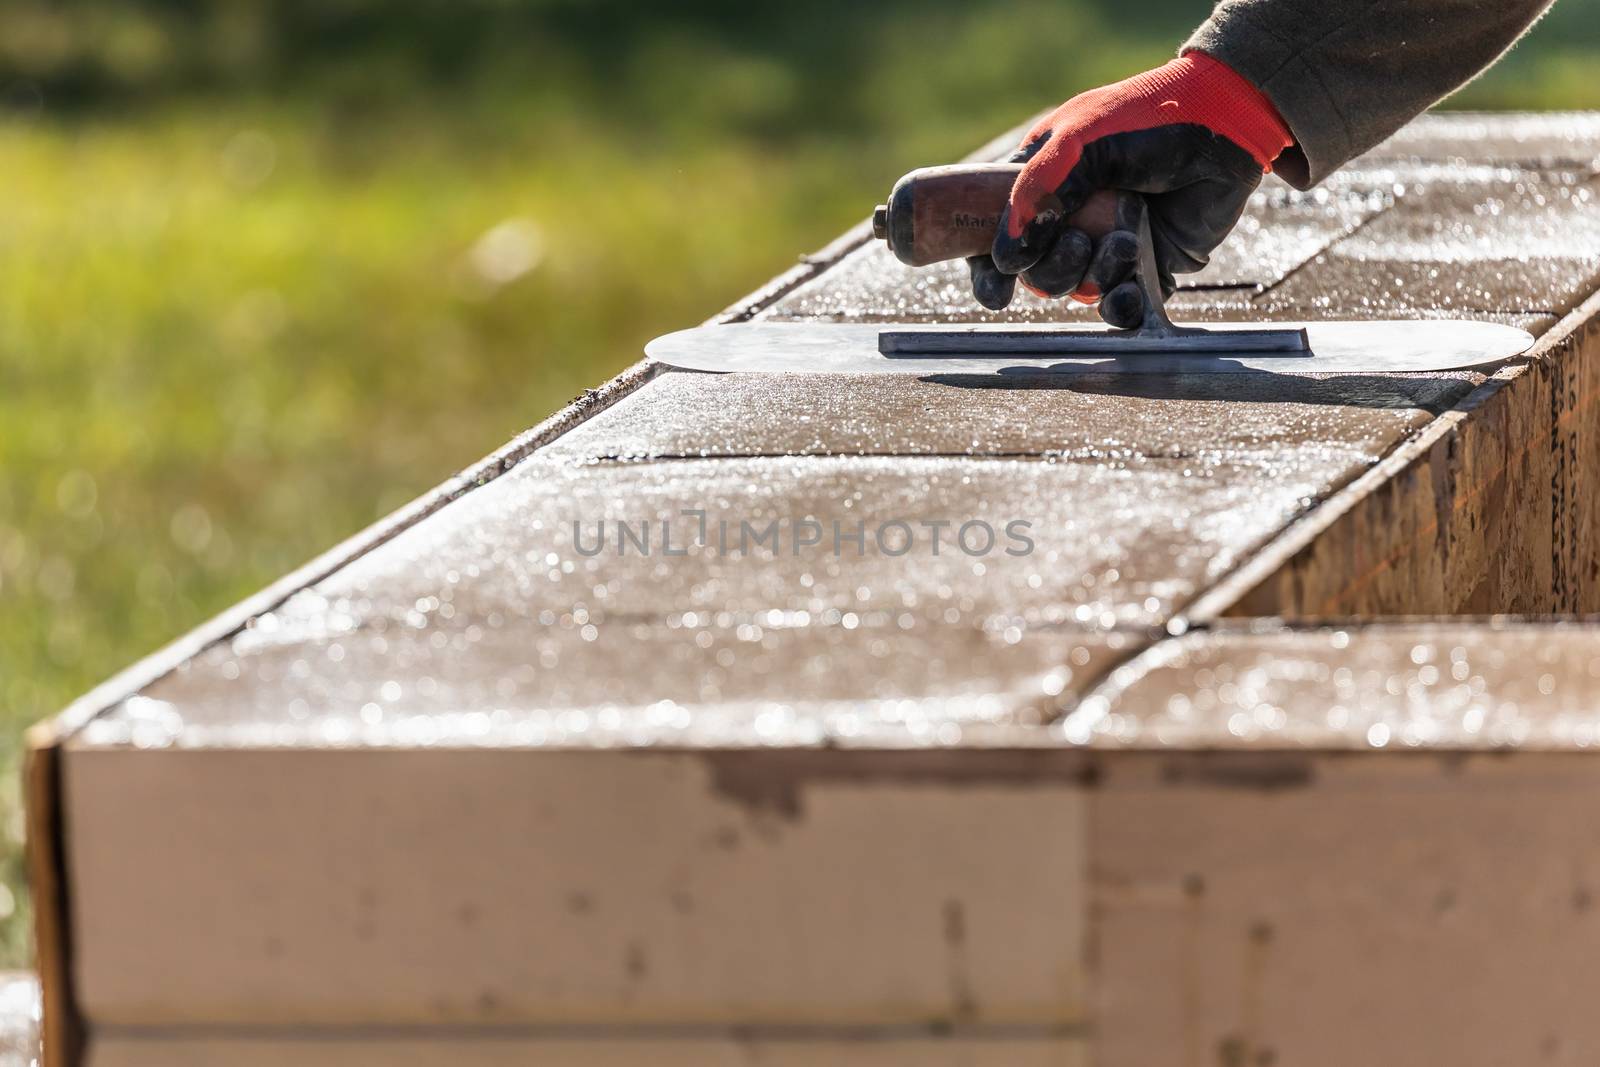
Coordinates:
(940,213)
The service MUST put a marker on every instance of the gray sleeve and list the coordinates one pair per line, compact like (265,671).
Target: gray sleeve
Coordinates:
(1345,74)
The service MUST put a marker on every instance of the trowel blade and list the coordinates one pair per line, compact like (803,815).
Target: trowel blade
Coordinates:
(1380,347)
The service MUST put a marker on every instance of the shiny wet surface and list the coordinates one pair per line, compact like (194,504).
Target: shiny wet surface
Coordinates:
(488,622)
(1481,684)
(1381,239)
(514,611)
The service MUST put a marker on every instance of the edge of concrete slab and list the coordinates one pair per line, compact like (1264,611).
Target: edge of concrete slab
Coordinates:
(1437,687)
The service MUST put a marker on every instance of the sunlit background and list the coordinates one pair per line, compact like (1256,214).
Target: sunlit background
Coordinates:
(267,271)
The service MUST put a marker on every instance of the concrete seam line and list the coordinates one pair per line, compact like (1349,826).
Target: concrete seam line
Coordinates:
(1300,531)
(1262,296)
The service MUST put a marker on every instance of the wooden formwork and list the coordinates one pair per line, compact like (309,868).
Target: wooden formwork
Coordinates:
(1493,508)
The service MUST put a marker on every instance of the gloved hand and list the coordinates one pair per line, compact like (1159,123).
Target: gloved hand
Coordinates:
(1192,136)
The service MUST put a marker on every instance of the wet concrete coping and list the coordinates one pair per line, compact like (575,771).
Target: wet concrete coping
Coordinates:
(770,559)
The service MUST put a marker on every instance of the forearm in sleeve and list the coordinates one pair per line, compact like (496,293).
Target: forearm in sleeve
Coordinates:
(1345,74)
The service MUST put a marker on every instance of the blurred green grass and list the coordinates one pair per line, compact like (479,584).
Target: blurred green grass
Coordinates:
(268,271)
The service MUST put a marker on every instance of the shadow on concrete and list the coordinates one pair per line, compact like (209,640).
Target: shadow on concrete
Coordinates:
(1434,394)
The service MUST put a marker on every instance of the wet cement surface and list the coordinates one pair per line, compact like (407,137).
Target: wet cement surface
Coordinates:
(1515,241)
(1098,420)
(870,678)
(488,619)
(1478,684)
(814,579)
(1553,140)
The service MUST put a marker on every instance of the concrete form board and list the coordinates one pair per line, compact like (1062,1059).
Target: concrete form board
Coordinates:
(1161,898)
(560,886)
(1330,909)
(1493,508)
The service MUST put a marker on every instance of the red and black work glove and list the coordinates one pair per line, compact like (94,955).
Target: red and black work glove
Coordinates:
(1192,136)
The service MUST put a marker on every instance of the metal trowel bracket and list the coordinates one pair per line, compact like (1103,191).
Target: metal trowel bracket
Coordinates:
(1156,334)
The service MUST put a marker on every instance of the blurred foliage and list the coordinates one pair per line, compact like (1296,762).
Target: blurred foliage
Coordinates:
(269,270)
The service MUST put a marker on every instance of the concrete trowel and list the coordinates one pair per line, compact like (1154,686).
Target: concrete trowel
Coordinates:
(941,213)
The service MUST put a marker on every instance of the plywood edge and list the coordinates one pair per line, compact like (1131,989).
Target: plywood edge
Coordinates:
(1228,596)
(600,889)
(61,1028)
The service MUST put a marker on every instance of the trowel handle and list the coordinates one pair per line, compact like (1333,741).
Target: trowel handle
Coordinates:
(940,213)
